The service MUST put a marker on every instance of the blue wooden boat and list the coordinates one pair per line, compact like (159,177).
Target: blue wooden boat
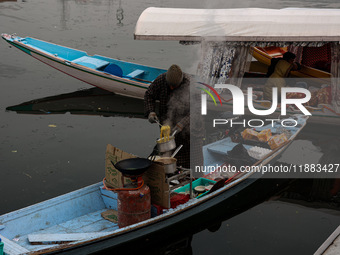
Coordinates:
(73,223)
(113,75)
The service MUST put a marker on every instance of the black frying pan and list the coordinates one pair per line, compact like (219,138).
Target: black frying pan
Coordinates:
(132,166)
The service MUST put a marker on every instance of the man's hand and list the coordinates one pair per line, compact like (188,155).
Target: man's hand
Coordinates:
(296,66)
(153,117)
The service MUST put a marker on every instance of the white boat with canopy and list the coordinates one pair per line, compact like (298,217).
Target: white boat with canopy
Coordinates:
(228,38)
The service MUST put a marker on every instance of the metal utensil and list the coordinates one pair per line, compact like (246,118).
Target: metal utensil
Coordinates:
(132,166)
(154,153)
(176,151)
(170,165)
(166,146)
(158,123)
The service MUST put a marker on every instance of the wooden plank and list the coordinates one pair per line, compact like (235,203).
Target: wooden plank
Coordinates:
(12,248)
(53,212)
(135,73)
(89,223)
(90,62)
(76,224)
(63,238)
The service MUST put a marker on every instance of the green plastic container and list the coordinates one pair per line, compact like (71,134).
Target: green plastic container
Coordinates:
(198,182)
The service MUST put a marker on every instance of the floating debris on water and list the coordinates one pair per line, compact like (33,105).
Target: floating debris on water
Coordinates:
(27,175)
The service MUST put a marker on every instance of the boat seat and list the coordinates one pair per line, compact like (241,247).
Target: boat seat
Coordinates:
(114,70)
(135,73)
(90,62)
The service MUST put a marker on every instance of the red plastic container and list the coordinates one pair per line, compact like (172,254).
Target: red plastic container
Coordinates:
(134,206)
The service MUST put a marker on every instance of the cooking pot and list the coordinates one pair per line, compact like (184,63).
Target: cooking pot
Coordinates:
(169,163)
(132,166)
(166,146)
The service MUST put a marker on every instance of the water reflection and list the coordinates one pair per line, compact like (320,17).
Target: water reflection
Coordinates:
(65,14)
(314,193)
(92,101)
(10,6)
(120,14)
(111,8)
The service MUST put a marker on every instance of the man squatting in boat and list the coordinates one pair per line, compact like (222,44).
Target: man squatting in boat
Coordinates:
(278,70)
(172,90)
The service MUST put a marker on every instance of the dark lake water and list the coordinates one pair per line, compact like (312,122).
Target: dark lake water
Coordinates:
(45,155)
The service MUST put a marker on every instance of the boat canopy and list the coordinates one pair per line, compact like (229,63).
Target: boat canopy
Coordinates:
(243,24)
(228,37)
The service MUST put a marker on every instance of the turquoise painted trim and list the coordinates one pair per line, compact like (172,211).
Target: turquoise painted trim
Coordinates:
(28,51)
(20,48)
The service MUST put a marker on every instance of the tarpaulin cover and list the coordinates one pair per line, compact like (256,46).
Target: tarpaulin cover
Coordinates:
(244,24)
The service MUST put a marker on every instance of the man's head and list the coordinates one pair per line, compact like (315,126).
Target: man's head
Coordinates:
(174,76)
(289,57)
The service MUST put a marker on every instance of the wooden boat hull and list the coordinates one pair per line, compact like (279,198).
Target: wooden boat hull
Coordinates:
(305,72)
(67,61)
(240,197)
(80,212)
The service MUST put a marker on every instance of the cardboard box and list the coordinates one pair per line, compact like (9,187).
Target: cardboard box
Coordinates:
(112,175)
(154,177)
(110,215)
